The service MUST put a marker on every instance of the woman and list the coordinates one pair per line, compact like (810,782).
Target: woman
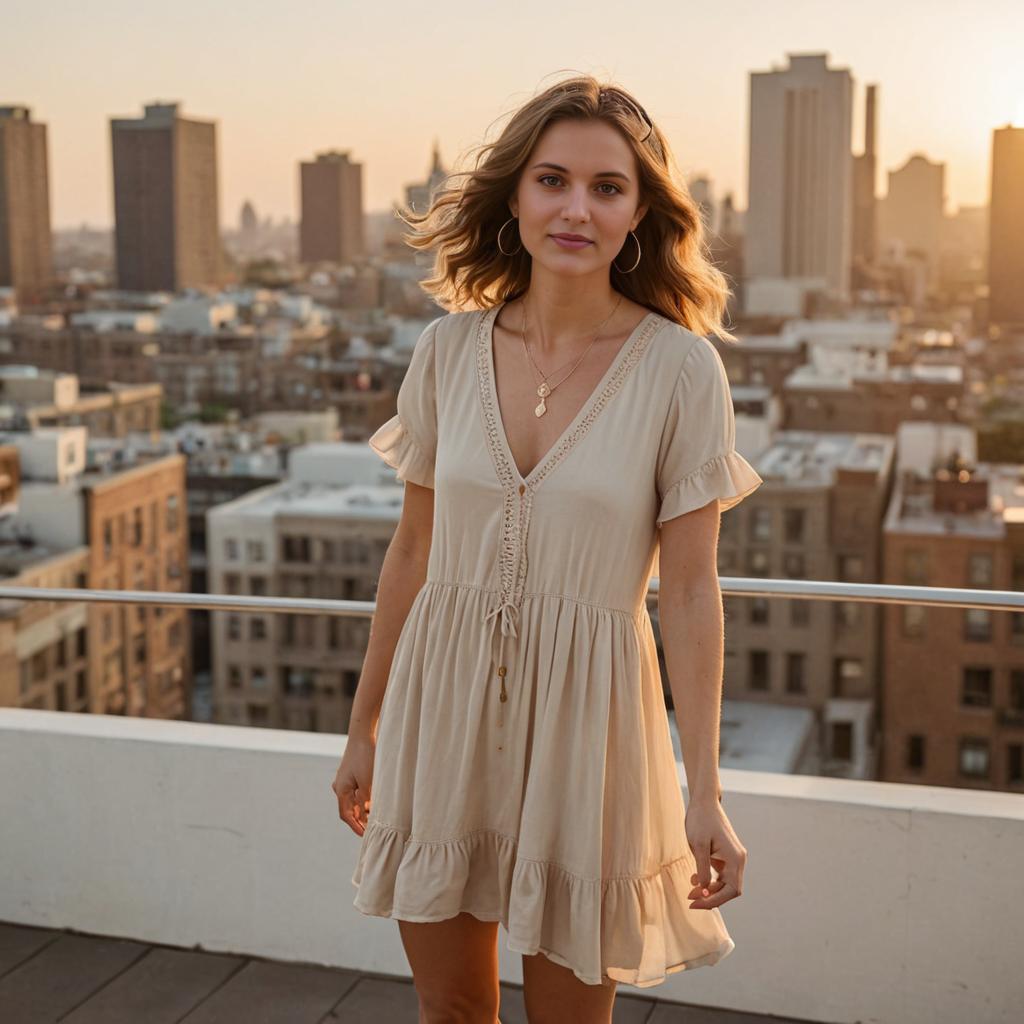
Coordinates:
(554,437)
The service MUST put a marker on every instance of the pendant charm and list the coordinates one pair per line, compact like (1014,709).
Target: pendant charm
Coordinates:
(543,390)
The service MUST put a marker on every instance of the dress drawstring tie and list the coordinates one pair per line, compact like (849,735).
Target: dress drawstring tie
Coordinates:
(508,613)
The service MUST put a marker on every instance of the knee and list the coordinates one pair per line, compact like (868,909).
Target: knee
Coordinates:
(465,1006)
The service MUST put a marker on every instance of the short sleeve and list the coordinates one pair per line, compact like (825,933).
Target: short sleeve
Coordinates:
(697,457)
(408,441)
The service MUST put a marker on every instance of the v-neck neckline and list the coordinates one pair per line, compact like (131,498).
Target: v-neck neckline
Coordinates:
(633,342)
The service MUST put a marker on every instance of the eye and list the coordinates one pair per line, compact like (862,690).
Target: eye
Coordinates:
(544,177)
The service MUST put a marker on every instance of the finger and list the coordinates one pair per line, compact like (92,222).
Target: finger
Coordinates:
(699,890)
(719,865)
(702,854)
(716,899)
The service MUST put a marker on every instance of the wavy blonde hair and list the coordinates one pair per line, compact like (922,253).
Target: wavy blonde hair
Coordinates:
(675,276)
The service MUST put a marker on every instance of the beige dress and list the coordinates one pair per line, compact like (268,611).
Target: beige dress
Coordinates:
(556,810)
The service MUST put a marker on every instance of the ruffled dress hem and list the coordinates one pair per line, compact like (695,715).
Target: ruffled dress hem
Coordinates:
(640,924)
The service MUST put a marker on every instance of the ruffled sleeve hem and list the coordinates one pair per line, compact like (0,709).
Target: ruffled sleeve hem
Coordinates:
(728,477)
(635,930)
(397,447)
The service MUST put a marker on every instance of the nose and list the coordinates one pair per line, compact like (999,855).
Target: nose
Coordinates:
(577,208)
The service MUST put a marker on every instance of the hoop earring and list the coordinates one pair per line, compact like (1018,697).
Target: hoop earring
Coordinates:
(502,228)
(638,252)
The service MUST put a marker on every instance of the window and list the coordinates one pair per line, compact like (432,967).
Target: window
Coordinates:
(234,677)
(172,512)
(258,677)
(847,674)
(257,628)
(974,757)
(297,682)
(793,525)
(137,530)
(759,670)
(761,524)
(234,627)
(355,551)
(915,752)
(254,550)
(851,568)
(173,564)
(258,586)
(913,617)
(977,687)
(847,614)
(288,629)
(978,625)
(757,562)
(759,611)
(231,549)
(296,549)
(841,747)
(232,583)
(799,612)
(794,565)
(108,538)
(796,663)
(1017,689)
(1014,764)
(915,567)
(979,569)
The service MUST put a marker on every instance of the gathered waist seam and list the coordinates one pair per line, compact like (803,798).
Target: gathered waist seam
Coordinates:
(527,594)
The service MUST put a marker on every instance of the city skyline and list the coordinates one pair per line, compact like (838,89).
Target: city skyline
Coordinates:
(272,111)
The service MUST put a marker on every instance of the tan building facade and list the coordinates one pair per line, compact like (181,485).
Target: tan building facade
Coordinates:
(26,246)
(137,529)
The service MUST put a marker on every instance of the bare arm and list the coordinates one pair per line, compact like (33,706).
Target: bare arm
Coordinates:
(402,575)
(692,632)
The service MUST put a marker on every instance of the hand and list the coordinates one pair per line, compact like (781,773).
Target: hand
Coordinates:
(713,842)
(353,783)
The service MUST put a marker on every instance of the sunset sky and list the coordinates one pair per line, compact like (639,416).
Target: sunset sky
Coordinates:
(384,79)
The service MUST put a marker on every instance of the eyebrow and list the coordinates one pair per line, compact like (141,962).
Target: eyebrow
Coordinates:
(600,174)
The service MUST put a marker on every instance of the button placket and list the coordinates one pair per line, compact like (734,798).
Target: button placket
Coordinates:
(513,565)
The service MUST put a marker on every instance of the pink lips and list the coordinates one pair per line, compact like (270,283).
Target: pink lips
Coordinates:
(570,242)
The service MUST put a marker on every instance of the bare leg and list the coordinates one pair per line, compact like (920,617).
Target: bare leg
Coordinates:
(455,969)
(554,995)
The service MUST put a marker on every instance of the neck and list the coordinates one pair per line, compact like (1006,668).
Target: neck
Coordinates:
(562,312)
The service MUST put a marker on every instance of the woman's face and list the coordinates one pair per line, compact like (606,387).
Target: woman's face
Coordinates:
(581,179)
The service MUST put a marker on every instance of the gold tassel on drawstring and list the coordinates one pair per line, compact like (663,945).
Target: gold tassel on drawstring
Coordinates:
(503,696)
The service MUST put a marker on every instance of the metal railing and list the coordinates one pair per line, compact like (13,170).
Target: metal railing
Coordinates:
(742,586)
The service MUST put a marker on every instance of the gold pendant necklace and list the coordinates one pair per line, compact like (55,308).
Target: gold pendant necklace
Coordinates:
(544,388)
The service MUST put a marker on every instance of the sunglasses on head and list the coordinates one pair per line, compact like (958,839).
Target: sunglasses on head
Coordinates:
(622,100)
